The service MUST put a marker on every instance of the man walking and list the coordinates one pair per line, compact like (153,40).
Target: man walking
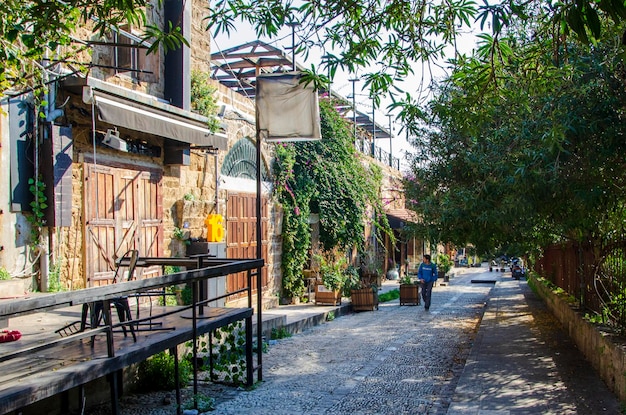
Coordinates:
(427,275)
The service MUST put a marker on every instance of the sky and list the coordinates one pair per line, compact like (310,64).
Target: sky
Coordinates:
(341,84)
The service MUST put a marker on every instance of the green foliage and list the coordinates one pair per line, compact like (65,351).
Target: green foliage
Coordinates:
(181,235)
(406,279)
(352,280)
(229,355)
(509,140)
(202,403)
(330,316)
(171,269)
(389,295)
(54,279)
(332,268)
(388,38)
(4,274)
(31,31)
(187,294)
(203,99)
(327,178)
(444,263)
(279,333)
(170,297)
(157,373)
(38,206)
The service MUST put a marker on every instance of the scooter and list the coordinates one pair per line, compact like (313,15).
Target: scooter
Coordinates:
(517,271)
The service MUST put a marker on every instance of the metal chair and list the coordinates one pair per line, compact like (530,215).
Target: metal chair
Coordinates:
(122,273)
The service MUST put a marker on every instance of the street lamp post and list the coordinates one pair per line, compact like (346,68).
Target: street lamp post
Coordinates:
(354,80)
(373,129)
(293,26)
(390,141)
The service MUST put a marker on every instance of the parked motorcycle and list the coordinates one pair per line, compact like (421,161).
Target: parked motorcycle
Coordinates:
(517,269)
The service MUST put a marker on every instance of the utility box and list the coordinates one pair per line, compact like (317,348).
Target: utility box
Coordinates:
(213,287)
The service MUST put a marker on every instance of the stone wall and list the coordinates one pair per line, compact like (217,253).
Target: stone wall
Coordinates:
(605,352)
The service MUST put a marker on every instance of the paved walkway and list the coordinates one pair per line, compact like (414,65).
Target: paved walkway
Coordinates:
(482,349)
(523,362)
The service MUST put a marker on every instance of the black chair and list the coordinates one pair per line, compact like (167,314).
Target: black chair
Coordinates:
(124,271)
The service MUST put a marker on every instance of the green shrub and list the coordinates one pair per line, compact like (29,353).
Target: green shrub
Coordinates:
(229,355)
(205,403)
(157,373)
(389,295)
(280,333)
(4,274)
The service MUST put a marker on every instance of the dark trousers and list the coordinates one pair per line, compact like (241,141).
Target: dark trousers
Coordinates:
(427,290)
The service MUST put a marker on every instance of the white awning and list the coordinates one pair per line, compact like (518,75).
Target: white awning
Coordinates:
(137,116)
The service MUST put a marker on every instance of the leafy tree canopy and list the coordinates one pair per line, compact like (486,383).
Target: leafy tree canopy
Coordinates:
(37,34)
(390,36)
(527,148)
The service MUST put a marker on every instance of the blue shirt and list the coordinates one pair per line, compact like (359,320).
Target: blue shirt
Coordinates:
(427,272)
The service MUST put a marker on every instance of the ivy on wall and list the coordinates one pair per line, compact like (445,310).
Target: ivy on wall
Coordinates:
(325,177)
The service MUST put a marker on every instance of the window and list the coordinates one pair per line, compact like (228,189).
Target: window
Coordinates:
(130,58)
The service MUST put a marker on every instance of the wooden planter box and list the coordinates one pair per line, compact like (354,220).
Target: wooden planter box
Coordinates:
(364,299)
(325,296)
(409,294)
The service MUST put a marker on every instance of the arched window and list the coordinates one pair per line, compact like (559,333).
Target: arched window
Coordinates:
(241,161)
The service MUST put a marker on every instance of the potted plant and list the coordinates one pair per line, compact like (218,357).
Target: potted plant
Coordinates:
(409,291)
(332,271)
(444,265)
(371,267)
(364,289)
(364,296)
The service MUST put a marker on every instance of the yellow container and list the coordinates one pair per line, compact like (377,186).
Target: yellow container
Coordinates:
(215,228)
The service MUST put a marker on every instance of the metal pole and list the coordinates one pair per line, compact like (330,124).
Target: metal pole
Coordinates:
(259,242)
(373,130)
(293,42)
(354,108)
(390,141)
(259,252)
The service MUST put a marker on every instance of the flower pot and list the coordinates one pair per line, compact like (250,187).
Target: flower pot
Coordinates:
(325,296)
(364,299)
(393,274)
(409,294)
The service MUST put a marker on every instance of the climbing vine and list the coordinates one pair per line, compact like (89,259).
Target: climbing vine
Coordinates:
(38,204)
(328,178)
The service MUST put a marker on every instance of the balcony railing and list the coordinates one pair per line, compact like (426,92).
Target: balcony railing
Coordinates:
(365,146)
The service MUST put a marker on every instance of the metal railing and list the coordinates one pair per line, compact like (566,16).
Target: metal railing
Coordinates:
(365,146)
(198,271)
(592,274)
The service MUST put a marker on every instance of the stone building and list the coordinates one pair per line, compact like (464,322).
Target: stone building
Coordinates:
(125,162)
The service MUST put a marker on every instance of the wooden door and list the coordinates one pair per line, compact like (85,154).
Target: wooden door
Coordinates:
(123,211)
(150,218)
(241,235)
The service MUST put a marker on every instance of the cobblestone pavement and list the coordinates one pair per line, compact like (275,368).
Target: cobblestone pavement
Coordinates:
(397,360)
